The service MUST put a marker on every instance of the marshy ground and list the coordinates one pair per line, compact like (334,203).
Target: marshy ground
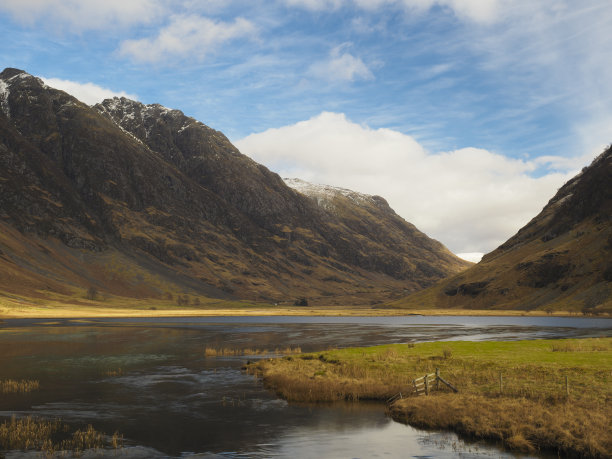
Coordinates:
(175,384)
(537,395)
(47,436)
(53,436)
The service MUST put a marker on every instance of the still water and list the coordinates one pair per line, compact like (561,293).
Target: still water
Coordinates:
(150,380)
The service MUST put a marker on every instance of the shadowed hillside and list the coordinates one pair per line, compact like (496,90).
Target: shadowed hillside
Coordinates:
(140,201)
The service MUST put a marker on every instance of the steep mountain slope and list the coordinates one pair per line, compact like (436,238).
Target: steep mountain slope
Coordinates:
(383,231)
(562,259)
(142,201)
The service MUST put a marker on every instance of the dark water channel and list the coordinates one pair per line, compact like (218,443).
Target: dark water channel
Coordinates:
(150,380)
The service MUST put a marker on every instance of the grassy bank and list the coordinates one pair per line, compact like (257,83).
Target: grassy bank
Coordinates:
(530,410)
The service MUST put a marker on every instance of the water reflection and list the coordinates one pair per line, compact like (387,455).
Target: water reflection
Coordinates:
(150,379)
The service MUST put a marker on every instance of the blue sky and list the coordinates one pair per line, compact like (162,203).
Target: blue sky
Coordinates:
(466,115)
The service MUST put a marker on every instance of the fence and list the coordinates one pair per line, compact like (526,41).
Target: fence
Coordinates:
(424,385)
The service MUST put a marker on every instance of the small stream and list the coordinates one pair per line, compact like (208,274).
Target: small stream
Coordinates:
(150,380)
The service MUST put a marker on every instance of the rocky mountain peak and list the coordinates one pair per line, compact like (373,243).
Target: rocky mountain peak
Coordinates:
(177,137)
(10,79)
(136,117)
(9,73)
(14,77)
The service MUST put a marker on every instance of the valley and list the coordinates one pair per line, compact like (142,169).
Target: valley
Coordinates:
(138,207)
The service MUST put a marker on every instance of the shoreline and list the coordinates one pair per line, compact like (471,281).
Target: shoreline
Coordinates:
(41,313)
(23,309)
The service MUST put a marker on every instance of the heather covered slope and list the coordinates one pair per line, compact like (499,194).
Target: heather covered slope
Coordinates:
(562,259)
(141,201)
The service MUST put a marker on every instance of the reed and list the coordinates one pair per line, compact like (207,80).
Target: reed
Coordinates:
(114,372)
(82,440)
(233,352)
(117,440)
(22,386)
(28,433)
(52,436)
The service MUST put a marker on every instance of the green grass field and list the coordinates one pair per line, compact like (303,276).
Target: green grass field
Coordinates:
(530,410)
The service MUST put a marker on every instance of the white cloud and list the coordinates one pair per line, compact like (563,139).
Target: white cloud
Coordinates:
(86,92)
(473,10)
(563,163)
(189,36)
(80,15)
(341,66)
(470,199)
(316,5)
(548,60)
(474,257)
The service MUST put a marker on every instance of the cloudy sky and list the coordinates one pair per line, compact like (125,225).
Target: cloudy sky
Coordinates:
(466,115)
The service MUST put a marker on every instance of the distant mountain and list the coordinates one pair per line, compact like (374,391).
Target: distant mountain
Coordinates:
(562,259)
(142,201)
(383,231)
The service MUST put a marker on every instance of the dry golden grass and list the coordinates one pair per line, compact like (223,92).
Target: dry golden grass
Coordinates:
(66,307)
(22,386)
(29,433)
(50,437)
(312,378)
(518,423)
(532,409)
(592,345)
(231,352)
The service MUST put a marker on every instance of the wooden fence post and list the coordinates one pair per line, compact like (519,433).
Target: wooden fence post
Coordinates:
(437,378)
(426,386)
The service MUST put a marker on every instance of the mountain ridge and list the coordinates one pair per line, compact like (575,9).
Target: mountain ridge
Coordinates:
(143,201)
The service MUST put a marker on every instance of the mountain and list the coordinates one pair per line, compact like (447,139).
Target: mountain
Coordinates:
(382,230)
(140,201)
(562,259)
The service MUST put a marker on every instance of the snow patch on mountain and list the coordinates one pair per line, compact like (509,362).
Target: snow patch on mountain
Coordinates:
(324,194)
(128,133)
(185,126)
(4,95)
(23,76)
